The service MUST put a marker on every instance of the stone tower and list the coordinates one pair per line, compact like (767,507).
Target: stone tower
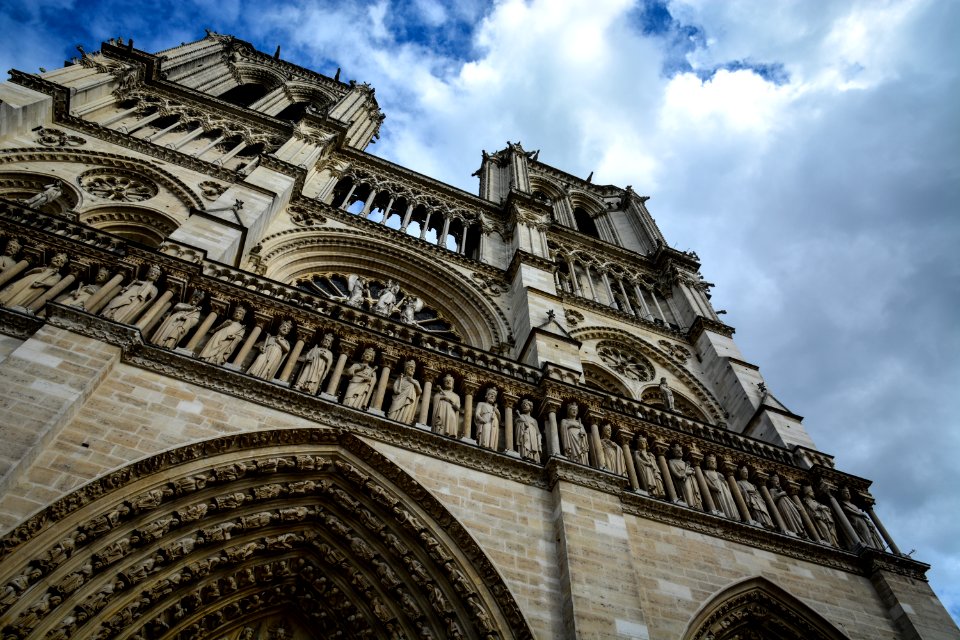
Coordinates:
(259,383)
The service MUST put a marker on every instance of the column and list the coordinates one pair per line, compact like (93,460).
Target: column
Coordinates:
(883,530)
(761,479)
(386,212)
(117,117)
(291,361)
(229,154)
(462,248)
(811,528)
(368,203)
(593,290)
(508,402)
(840,517)
(156,135)
(346,201)
(334,383)
(625,437)
(469,388)
(139,124)
(626,298)
(575,282)
(155,310)
(606,283)
(95,302)
(185,139)
(429,375)
(729,469)
(377,405)
(247,345)
(12,272)
(406,218)
(51,293)
(426,223)
(553,434)
(201,331)
(643,303)
(442,237)
(150,322)
(596,449)
(708,505)
(203,150)
(653,296)
(660,449)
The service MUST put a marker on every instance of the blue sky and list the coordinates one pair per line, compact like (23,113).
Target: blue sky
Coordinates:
(808,151)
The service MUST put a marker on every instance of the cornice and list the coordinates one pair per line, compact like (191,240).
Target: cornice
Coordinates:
(702,325)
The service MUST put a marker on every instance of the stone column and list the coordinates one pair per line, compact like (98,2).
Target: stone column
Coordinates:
(426,223)
(596,449)
(883,530)
(99,300)
(331,393)
(606,283)
(201,331)
(156,135)
(660,450)
(469,388)
(574,281)
(368,203)
(807,522)
(377,405)
(625,437)
(291,362)
(12,272)
(553,434)
(247,345)
(226,157)
(150,322)
(51,293)
(199,152)
(626,298)
(442,236)
(155,310)
(346,201)
(840,517)
(653,296)
(429,375)
(185,139)
(729,469)
(708,505)
(761,479)
(406,218)
(593,290)
(509,400)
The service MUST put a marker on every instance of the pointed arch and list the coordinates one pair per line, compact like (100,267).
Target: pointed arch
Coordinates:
(758,609)
(202,540)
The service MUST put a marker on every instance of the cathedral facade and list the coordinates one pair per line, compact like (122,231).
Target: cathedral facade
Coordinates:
(260,383)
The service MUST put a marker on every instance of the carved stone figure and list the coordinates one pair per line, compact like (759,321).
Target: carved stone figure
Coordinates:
(613,459)
(719,489)
(51,193)
(225,338)
(486,419)
(860,521)
(79,296)
(409,308)
(358,290)
(134,298)
(647,469)
(666,394)
(34,283)
(178,324)
(446,409)
(788,510)
(362,378)
(406,394)
(683,478)
(755,503)
(384,306)
(575,442)
(9,257)
(527,436)
(822,517)
(317,363)
(272,351)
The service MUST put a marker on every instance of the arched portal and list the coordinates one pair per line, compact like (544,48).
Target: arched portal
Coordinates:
(306,533)
(757,609)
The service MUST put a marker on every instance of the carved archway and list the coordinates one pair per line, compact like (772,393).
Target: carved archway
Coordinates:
(17,185)
(652,396)
(310,530)
(757,609)
(140,224)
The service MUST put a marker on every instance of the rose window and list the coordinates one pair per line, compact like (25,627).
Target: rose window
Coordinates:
(117,187)
(628,365)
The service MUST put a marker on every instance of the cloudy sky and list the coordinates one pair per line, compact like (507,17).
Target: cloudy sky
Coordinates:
(808,151)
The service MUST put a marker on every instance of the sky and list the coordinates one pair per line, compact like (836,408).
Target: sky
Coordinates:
(809,152)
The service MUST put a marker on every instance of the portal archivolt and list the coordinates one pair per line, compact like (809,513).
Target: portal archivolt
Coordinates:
(284,534)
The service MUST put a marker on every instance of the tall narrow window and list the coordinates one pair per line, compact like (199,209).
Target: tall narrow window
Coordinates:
(585,223)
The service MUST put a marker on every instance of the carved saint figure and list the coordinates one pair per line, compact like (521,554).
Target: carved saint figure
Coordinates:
(9,257)
(683,478)
(358,290)
(134,298)
(384,306)
(822,517)
(184,317)
(79,296)
(529,440)
(486,419)
(575,442)
(272,351)
(613,459)
(409,308)
(225,338)
(860,521)
(788,510)
(446,408)
(362,378)
(34,283)
(719,489)
(755,503)
(406,394)
(316,366)
(51,192)
(666,394)
(647,469)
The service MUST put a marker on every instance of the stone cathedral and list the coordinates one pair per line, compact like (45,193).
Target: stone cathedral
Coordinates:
(258,383)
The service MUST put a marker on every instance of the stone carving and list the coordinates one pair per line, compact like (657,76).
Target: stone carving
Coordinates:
(650,476)
(613,459)
(118,188)
(486,419)
(666,394)
(358,291)
(134,298)
(272,351)
(822,517)
(573,317)
(683,478)
(51,193)
(17,585)
(225,338)
(34,283)
(574,436)
(79,296)
(755,503)
(528,438)
(675,351)
(211,190)
(406,395)
(788,510)
(627,364)
(317,363)
(860,521)
(409,308)
(178,324)
(719,489)
(385,304)
(362,378)
(446,409)
(58,138)
(9,257)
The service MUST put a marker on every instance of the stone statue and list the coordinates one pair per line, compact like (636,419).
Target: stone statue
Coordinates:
(134,298)
(446,409)
(51,193)
(406,395)
(362,378)
(575,441)
(409,308)
(34,283)
(822,517)
(9,257)
(755,503)
(666,394)
(647,469)
(860,521)
(788,510)
(384,306)
(613,459)
(357,290)
(185,316)
(527,433)
(317,363)
(719,489)
(486,418)
(272,351)
(225,338)
(683,478)
(79,296)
